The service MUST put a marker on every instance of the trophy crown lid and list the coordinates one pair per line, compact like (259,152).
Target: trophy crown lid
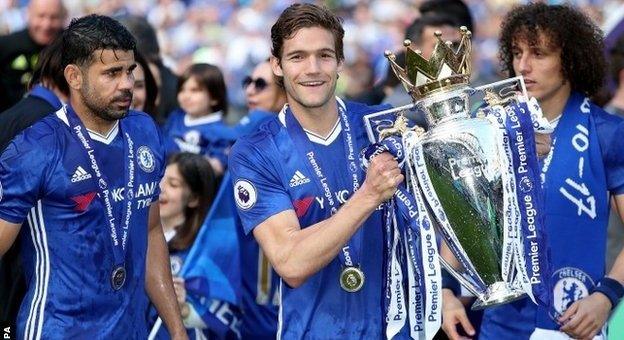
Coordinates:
(445,68)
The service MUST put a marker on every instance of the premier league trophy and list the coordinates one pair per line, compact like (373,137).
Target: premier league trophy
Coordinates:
(477,176)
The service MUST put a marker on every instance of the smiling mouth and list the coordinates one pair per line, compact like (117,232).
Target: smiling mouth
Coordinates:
(312,83)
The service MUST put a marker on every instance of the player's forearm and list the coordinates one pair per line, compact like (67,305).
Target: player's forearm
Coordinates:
(311,249)
(159,284)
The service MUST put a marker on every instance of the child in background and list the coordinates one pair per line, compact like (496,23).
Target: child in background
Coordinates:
(198,125)
(187,191)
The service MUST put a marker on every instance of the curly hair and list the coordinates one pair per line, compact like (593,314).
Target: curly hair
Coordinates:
(582,59)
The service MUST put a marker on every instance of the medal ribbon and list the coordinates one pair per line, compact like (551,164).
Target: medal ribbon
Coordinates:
(349,254)
(81,134)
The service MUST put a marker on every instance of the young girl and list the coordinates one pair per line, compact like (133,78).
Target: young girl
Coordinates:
(187,191)
(198,125)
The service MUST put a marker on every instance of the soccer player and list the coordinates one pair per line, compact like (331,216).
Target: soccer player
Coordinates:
(85,178)
(301,191)
(559,52)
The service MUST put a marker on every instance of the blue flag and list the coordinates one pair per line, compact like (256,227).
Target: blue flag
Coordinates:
(212,267)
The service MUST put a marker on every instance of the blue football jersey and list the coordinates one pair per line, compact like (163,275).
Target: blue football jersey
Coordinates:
(67,250)
(207,135)
(577,229)
(259,297)
(269,177)
(252,121)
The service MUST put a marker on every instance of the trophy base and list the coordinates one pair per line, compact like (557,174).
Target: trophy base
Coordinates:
(498,293)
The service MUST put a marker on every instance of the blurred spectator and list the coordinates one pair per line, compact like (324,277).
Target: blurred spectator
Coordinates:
(198,125)
(19,50)
(166,80)
(422,35)
(265,98)
(187,191)
(46,95)
(145,89)
(455,9)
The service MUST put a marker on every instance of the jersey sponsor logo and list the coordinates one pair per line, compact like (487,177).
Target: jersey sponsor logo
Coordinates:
(145,157)
(245,194)
(298,179)
(80,175)
(572,284)
(145,190)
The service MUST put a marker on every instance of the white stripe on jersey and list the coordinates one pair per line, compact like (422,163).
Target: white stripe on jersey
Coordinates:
(36,273)
(42,275)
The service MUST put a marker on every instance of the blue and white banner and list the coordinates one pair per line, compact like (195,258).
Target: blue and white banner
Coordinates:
(413,257)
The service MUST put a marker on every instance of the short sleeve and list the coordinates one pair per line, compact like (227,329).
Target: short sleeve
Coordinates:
(258,190)
(22,174)
(614,161)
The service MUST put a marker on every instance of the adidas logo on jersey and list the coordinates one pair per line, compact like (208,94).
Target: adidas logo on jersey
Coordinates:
(298,179)
(80,175)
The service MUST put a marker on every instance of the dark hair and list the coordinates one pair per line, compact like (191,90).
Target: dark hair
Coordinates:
(582,59)
(91,33)
(415,30)
(151,89)
(200,178)
(49,68)
(211,79)
(616,59)
(455,9)
(145,35)
(299,16)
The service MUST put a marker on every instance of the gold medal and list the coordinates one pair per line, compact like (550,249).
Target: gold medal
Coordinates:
(351,279)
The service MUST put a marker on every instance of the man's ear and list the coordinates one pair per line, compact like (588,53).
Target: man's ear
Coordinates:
(73,76)
(276,66)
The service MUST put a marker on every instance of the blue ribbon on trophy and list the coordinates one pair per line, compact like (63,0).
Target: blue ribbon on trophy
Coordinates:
(477,176)
(412,256)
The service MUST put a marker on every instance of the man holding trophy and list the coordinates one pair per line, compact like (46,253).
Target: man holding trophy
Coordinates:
(300,189)
(558,51)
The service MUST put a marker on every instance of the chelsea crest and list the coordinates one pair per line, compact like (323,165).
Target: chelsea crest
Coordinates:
(571,284)
(145,158)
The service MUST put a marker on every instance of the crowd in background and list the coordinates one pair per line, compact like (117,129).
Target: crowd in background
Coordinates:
(195,36)
(234,35)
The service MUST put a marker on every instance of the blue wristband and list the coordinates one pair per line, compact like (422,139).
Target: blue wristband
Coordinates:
(450,282)
(611,288)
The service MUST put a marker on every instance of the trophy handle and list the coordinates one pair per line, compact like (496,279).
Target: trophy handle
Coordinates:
(464,282)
